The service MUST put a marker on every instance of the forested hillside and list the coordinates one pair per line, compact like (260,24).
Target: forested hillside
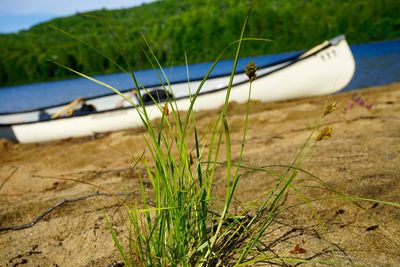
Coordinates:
(201,28)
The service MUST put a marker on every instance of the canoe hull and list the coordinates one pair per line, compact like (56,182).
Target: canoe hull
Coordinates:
(324,72)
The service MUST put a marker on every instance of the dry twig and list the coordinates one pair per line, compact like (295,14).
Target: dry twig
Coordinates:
(8,178)
(57,205)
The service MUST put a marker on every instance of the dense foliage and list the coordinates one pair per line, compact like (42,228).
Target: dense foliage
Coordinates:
(201,28)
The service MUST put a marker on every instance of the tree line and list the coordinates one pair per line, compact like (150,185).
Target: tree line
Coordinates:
(199,28)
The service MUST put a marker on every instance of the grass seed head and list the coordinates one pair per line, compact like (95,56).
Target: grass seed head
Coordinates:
(166,109)
(250,70)
(325,134)
(330,108)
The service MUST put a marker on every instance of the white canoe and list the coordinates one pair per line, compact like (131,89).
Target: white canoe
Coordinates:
(322,70)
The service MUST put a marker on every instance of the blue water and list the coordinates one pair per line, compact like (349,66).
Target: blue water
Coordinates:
(376,64)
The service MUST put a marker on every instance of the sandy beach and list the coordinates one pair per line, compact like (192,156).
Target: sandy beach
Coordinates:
(361,159)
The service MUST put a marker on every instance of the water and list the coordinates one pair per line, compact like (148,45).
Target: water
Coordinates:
(376,64)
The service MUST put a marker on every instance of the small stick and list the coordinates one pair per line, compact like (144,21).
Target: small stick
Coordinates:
(8,178)
(57,205)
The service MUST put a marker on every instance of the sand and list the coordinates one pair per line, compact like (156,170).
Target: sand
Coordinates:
(361,159)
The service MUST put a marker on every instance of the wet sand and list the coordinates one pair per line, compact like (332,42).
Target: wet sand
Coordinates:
(361,159)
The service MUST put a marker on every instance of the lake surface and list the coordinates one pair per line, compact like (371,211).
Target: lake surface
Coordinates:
(376,64)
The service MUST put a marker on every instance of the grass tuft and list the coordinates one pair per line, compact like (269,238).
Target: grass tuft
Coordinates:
(173,223)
